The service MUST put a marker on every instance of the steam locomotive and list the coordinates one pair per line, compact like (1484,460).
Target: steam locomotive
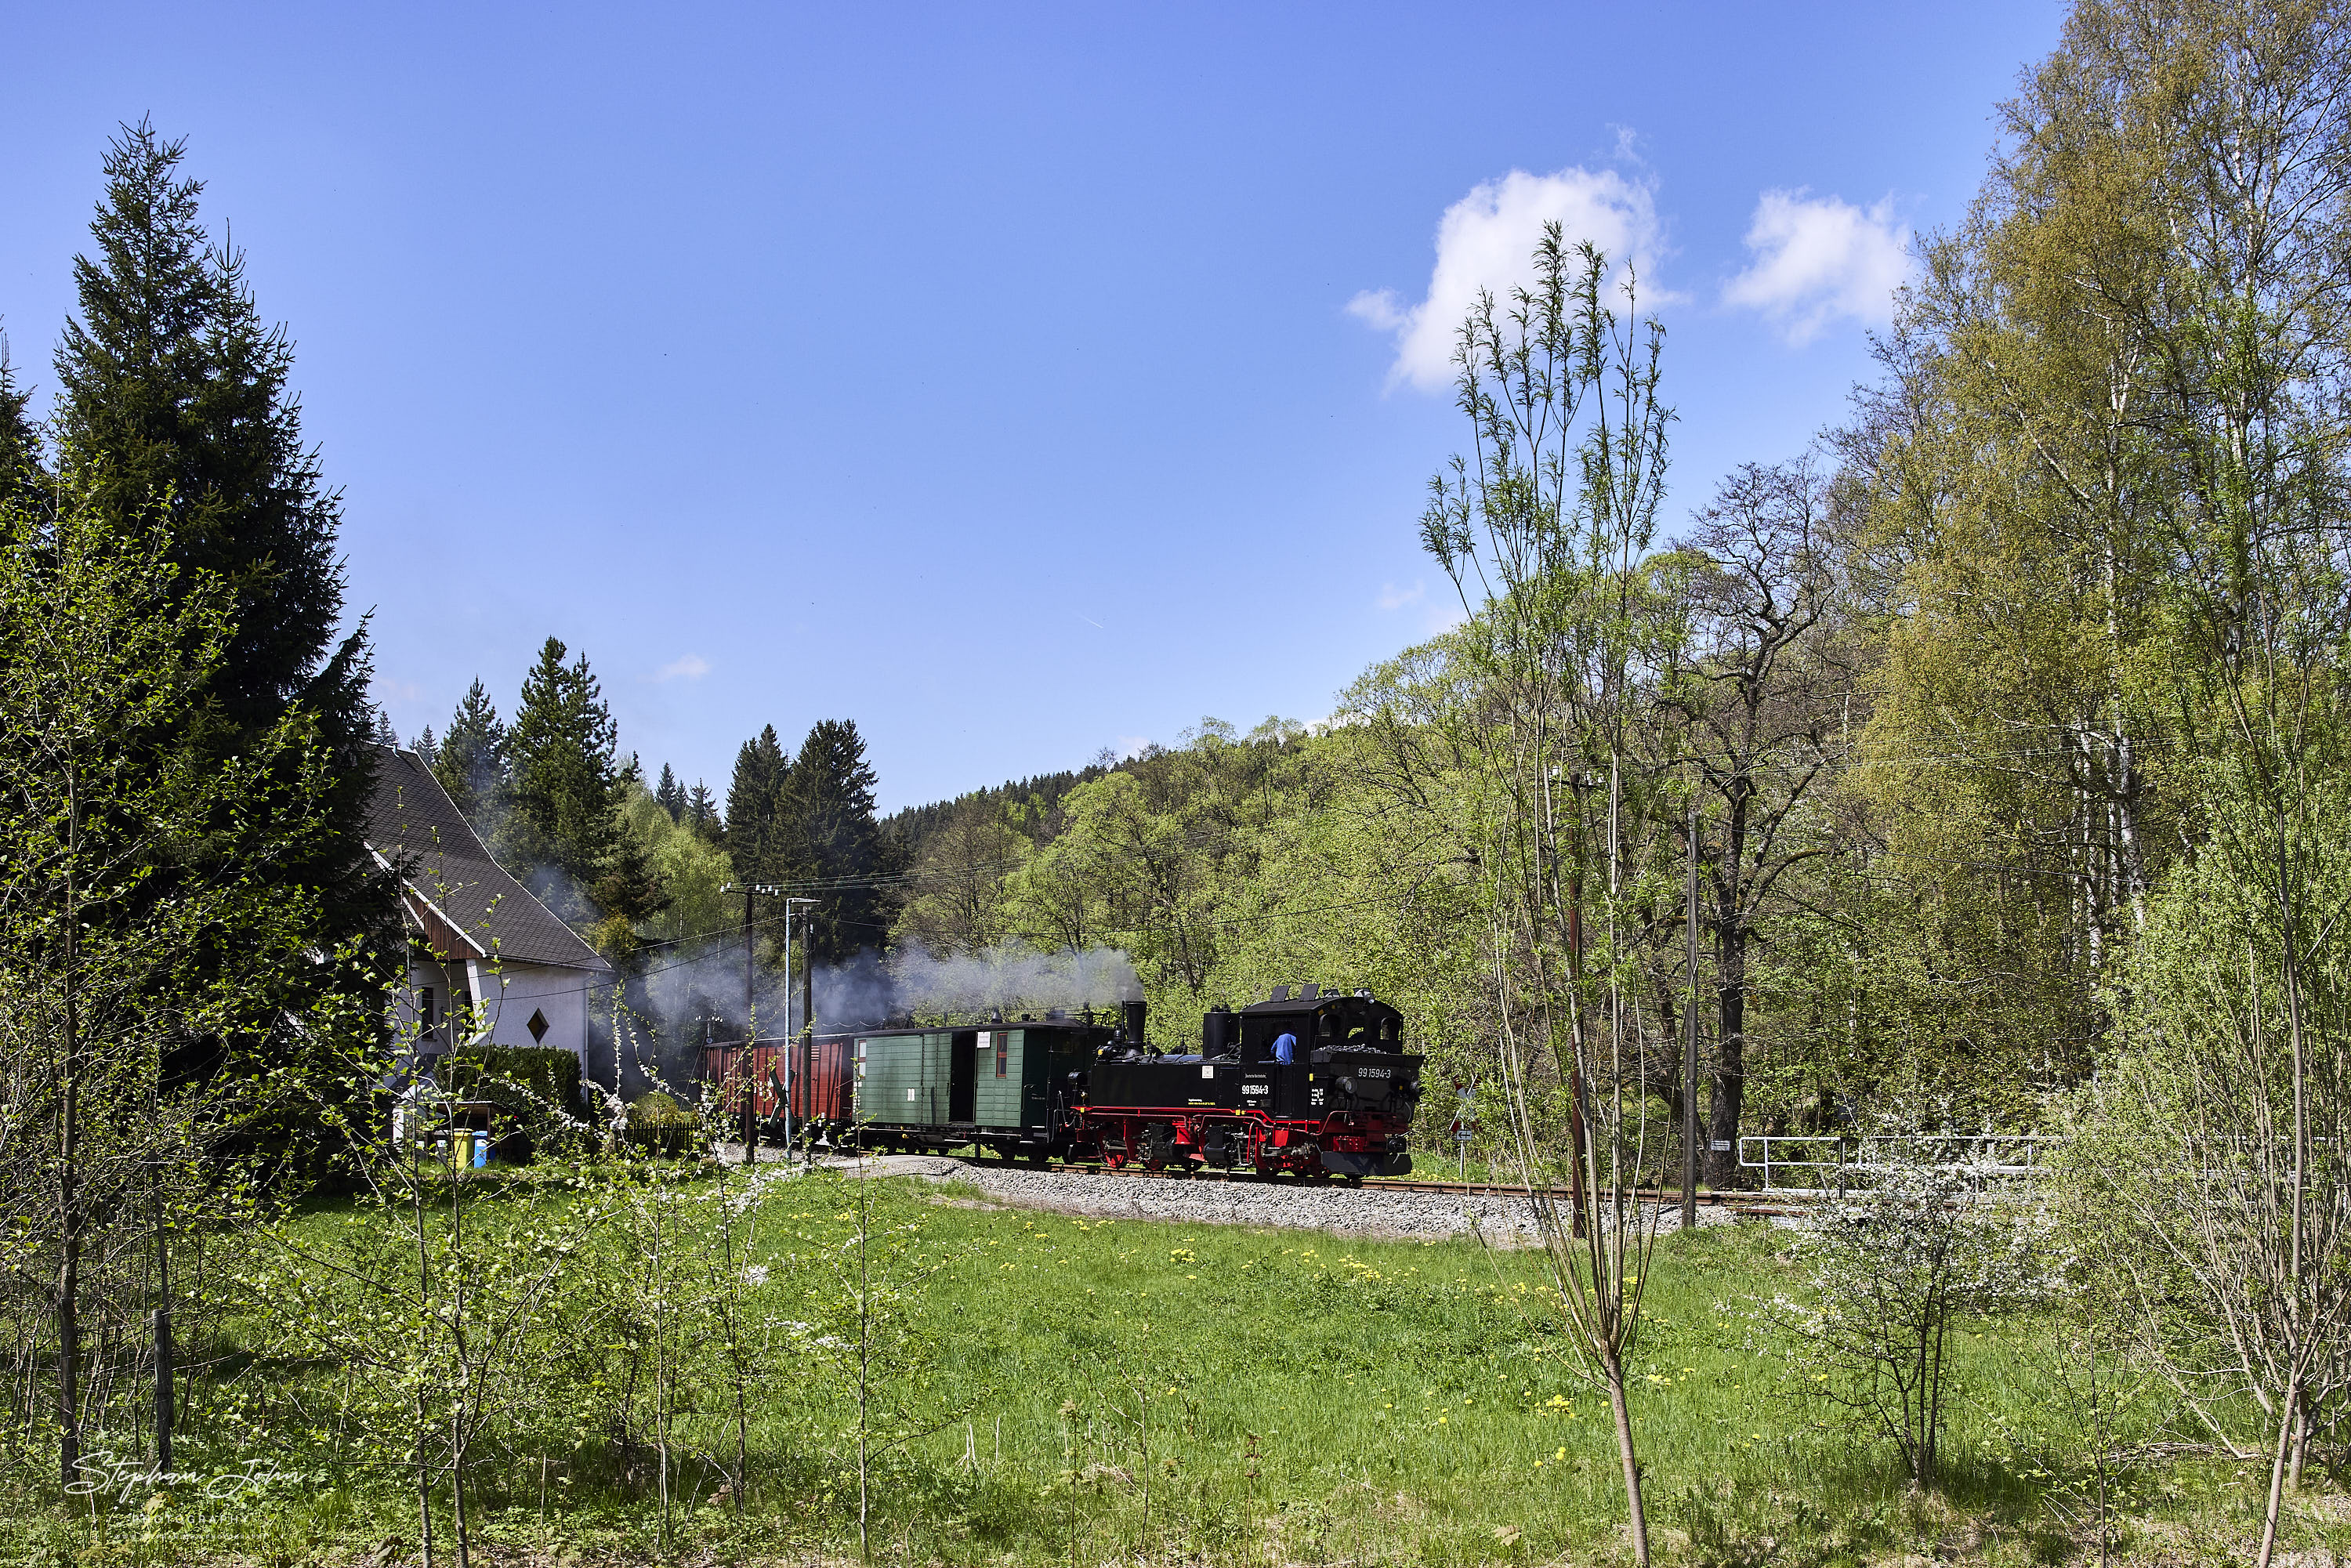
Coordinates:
(1316,1084)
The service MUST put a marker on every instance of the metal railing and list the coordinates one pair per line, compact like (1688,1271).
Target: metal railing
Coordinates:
(1996,1163)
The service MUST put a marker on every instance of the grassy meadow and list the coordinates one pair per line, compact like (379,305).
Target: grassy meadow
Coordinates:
(1063,1390)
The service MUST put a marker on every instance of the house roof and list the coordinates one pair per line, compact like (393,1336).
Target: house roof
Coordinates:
(468,902)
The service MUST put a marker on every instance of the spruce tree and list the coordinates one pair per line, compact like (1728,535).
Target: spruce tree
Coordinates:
(426,748)
(671,794)
(471,761)
(629,893)
(830,837)
(20,443)
(175,397)
(755,804)
(564,824)
(702,814)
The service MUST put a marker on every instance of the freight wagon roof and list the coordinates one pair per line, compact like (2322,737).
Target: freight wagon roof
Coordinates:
(879,1030)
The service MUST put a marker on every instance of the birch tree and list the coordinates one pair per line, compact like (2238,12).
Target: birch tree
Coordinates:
(2232,126)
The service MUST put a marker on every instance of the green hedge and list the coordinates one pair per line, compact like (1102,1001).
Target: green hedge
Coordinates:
(550,1076)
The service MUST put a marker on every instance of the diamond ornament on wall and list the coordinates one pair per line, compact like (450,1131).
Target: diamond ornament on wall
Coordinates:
(538,1025)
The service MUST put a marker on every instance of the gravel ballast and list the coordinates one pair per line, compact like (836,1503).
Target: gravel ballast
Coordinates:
(1370,1211)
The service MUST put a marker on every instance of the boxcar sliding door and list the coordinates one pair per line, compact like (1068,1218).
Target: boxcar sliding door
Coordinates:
(963,1076)
(997,1069)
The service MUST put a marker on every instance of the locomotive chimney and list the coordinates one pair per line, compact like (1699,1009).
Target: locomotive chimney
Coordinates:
(1131,1016)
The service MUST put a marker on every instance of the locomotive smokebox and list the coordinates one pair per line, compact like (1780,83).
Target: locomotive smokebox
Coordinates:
(1131,1016)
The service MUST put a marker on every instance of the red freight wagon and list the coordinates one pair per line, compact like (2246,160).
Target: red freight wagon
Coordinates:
(817,1070)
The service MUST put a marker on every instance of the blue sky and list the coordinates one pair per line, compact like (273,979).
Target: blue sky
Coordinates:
(1016,380)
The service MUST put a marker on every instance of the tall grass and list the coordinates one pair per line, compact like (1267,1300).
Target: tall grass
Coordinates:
(1093,1390)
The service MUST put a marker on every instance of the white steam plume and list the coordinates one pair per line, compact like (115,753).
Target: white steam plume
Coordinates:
(1013,974)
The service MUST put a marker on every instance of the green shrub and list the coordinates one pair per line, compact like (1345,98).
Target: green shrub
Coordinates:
(545,1074)
(660,1125)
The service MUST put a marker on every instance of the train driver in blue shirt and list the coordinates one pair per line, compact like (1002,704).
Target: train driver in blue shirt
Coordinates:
(1283,1044)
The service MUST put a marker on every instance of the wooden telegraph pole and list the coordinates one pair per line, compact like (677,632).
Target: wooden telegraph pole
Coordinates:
(1689,1047)
(751,891)
(796,1040)
(750,1013)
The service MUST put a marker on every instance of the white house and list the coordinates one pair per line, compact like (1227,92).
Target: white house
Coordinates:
(486,952)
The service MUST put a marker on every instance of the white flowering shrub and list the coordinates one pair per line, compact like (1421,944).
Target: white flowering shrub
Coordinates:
(1895,1267)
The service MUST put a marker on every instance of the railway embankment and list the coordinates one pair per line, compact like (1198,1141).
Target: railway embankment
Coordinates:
(1386,1213)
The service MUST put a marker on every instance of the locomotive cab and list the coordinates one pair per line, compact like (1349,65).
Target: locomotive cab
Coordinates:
(1318,1022)
(1348,1070)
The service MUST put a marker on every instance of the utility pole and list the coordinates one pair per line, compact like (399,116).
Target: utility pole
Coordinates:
(791,1036)
(751,891)
(750,1029)
(786,1108)
(1689,1049)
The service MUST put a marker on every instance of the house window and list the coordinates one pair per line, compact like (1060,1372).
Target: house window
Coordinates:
(427,1008)
(538,1025)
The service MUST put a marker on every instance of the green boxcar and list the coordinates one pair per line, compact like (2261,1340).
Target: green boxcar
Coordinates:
(946,1087)
(996,1097)
(902,1078)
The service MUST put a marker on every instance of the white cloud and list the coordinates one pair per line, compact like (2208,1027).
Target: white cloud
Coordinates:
(1486,241)
(691,667)
(1394,597)
(1818,258)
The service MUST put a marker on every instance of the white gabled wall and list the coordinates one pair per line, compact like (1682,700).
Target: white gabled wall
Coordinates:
(509,993)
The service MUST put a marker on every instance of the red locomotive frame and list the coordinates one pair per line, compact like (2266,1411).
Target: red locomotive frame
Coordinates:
(1121,1134)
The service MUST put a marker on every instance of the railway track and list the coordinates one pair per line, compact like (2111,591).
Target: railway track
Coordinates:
(1734,1202)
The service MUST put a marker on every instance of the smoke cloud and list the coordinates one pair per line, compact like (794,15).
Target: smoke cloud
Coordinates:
(1013,974)
(682,1000)
(855,993)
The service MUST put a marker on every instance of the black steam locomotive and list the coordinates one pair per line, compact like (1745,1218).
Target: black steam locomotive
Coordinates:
(1316,1084)
(1311,1083)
